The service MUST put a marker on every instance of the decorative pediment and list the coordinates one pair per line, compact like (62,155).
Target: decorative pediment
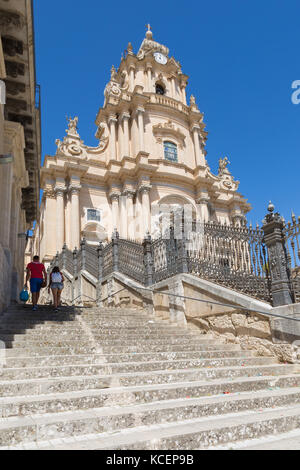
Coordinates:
(168,130)
(224,179)
(73,146)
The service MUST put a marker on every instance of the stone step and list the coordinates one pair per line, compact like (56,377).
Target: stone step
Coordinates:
(138,348)
(20,309)
(108,341)
(108,369)
(133,427)
(63,315)
(71,383)
(195,434)
(283,441)
(111,345)
(121,336)
(39,361)
(45,401)
(71,328)
(72,324)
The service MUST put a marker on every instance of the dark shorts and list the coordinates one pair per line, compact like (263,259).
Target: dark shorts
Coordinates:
(35,285)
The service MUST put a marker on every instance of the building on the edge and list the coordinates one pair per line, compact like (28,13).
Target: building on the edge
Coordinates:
(20,142)
(151,152)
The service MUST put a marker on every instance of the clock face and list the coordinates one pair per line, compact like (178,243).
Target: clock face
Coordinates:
(160,58)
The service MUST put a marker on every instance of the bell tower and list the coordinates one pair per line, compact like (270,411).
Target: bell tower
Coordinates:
(145,104)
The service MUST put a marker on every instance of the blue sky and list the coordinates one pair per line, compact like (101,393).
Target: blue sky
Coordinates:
(241,57)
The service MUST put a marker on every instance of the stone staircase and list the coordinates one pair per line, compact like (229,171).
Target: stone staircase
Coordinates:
(119,379)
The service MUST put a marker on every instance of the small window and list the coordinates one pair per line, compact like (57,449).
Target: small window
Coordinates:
(159,89)
(170,151)
(93,214)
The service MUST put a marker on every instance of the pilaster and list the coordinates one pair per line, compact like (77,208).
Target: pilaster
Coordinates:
(112,122)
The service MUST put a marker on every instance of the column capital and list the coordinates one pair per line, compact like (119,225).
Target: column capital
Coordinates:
(114,196)
(60,190)
(112,118)
(49,193)
(145,188)
(194,127)
(125,115)
(203,200)
(129,193)
(74,189)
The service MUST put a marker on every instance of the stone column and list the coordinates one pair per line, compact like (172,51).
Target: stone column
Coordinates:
(140,114)
(202,202)
(183,94)
(60,218)
(125,148)
(173,87)
(112,125)
(145,192)
(149,77)
(123,215)
(278,265)
(115,210)
(120,139)
(130,215)
(75,216)
(68,235)
(131,77)
(199,157)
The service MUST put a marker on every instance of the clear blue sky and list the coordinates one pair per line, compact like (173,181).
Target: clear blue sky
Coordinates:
(241,56)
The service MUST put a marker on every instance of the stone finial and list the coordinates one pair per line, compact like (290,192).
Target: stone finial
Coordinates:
(271,207)
(149,34)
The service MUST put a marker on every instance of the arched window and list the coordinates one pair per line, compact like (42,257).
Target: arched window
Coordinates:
(170,151)
(159,89)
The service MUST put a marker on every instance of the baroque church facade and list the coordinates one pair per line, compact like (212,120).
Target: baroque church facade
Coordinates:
(151,153)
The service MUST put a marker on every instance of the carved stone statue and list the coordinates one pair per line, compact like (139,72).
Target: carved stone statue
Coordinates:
(223,163)
(192,100)
(72,124)
(113,73)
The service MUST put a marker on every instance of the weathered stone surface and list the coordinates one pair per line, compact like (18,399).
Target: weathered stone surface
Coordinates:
(75,375)
(222,324)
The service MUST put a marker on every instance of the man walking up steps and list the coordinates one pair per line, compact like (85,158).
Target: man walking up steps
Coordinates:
(37,275)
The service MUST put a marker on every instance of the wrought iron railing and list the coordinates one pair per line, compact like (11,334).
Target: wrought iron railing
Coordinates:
(263,263)
(131,259)
(291,232)
(232,256)
(107,260)
(91,264)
